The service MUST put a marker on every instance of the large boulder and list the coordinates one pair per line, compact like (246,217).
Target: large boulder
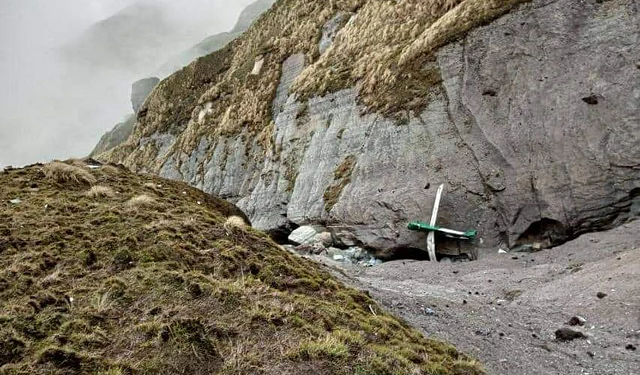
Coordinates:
(303,236)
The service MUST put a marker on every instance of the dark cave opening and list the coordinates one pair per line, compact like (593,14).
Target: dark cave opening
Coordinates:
(545,232)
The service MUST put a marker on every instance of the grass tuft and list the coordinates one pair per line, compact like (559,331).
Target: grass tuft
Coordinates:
(68,174)
(330,347)
(101,192)
(141,201)
(235,222)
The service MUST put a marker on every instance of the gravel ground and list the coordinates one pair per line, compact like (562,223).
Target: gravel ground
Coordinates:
(505,308)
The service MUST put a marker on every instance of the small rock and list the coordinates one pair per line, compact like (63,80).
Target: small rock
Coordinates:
(591,99)
(601,295)
(15,201)
(303,236)
(290,249)
(356,253)
(445,260)
(577,321)
(334,251)
(310,249)
(502,251)
(567,334)
(345,238)
(375,262)
(482,332)
(429,311)
(631,347)
(324,238)
(339,258)
(591,354)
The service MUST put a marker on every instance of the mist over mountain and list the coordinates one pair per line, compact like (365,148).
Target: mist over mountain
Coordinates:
(130,40)
(215,42)
(66,68)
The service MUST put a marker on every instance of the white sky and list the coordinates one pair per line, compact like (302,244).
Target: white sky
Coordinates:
(48,112)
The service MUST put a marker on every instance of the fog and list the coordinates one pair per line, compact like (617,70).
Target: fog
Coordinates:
(66,66)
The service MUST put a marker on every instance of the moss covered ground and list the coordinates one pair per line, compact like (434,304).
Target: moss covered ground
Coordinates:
(132,274)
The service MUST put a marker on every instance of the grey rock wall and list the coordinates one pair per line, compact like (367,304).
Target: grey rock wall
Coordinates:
(534,131)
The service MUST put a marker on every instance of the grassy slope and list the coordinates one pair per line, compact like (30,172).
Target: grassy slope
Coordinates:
(160,285)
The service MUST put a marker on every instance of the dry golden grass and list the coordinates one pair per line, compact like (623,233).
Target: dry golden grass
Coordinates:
(388,48)
(110,169)
(468,15)
(77,162)
(101,192)
(341,178)
(235,222)
(141,201)
(64,173)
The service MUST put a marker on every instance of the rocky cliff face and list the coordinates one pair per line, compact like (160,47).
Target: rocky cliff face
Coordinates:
(531,121)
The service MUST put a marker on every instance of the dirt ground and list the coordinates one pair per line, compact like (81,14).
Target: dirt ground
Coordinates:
(504,309)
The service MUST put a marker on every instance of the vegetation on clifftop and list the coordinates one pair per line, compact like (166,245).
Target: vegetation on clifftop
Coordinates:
(106,272)
(386,50)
